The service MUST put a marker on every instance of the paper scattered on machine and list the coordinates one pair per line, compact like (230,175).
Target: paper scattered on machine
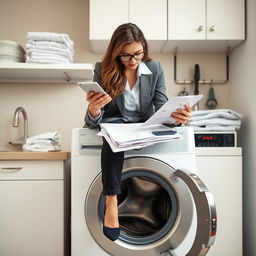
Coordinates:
(129,136)
(123,137)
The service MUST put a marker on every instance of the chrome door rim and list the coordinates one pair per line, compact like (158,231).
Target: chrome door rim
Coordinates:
(172,239)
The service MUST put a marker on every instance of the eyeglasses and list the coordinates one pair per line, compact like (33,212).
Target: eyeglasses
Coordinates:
(128,57)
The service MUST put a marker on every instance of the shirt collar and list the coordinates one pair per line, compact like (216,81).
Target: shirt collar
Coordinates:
(143,69)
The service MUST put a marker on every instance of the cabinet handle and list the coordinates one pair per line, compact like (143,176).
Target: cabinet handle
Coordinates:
(10,169)
(213,28)
(200,28)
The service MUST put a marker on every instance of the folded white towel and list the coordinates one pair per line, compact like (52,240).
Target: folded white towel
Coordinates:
(226,113)
(50,36)
(215,128)
(35,54)
(64,54)
(48,59)
(49,47)
(48,43)
(31,47)
(44,142)
(54,136)
(41,148)
(215,121)
(216,114)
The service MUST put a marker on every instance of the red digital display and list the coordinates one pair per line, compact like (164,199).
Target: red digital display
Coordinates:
(207,138)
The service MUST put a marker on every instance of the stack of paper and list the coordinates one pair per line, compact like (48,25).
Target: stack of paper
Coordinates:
(123,137)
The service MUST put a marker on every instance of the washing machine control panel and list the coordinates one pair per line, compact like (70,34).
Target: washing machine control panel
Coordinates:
(215,139)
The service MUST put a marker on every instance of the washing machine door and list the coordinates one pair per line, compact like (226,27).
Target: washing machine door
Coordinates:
(162,211)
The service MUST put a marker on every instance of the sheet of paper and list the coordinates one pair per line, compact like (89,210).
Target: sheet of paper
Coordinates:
(163,114)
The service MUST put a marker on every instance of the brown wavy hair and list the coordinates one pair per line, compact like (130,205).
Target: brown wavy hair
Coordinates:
(112,70)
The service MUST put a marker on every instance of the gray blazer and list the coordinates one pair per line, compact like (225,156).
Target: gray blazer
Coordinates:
(152,96)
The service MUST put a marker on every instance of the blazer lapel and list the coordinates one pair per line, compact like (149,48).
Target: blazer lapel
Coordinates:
(120,103)
(145,91)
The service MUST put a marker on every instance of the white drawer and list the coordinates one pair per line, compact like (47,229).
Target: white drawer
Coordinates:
(31,170)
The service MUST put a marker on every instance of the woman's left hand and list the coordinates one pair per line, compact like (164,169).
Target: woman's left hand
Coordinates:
(182,116)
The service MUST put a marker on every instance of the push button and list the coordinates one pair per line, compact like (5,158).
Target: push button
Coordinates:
(214,226)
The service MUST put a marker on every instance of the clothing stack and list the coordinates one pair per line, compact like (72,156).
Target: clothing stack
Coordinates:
(44,142)
(215,120)
(11,52)
(48,47)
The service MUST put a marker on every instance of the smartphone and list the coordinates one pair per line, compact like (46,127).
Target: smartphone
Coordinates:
(91,86)
(161,133)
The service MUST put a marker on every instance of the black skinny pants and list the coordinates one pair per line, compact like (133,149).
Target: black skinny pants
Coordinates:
(111,166)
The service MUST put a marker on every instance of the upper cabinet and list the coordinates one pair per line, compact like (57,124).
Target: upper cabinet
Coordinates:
(206,19)
(105,16)
(190,25)
(151,18)
(205,25)
(225,20)
(149,15)
(186,19)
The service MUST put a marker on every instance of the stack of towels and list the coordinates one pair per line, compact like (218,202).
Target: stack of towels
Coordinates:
(48,47)
(215,120)
(44,142)
(11,51)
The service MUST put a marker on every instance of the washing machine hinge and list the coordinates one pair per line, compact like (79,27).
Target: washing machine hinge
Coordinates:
(168,253)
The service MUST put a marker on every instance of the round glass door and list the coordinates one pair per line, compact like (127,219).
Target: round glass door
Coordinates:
(147,207)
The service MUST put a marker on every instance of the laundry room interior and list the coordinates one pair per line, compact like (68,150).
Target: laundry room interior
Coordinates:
(51,197)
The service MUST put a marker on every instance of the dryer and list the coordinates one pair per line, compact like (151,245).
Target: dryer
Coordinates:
(164,208)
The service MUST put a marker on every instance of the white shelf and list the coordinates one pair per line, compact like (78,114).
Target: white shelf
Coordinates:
(45,73)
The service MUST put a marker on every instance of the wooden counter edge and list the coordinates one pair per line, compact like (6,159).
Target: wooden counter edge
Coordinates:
(24,155)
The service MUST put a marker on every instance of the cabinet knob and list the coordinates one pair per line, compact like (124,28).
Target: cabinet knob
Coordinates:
(200,28)
(213,28)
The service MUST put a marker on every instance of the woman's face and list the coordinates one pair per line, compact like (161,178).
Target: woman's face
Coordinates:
(132,55)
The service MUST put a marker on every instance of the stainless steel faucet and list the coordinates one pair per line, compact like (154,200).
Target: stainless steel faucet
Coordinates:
(15,123)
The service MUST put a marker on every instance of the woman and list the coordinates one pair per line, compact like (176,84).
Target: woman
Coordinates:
(136,88)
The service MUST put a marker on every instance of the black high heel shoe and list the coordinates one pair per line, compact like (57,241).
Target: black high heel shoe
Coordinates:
(111,233)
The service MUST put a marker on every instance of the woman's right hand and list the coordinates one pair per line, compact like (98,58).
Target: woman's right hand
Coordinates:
(96,102)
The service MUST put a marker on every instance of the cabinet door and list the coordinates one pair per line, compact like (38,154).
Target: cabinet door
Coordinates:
(186,19)
(31,218)
(223,177)
(106,16)
(226,19)
(150,16)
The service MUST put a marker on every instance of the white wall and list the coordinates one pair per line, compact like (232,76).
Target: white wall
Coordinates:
(242,94)
(61,107)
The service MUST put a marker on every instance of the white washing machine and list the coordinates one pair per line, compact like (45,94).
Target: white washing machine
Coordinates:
(164,208)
